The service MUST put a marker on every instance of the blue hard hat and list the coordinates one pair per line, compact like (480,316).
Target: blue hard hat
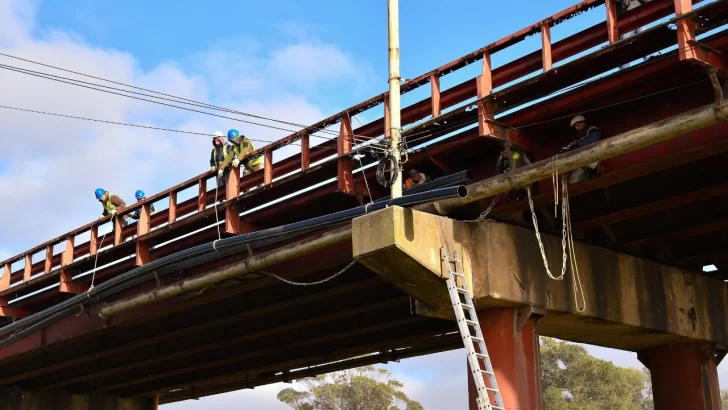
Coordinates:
(233,133)
(139,194)
(99,193)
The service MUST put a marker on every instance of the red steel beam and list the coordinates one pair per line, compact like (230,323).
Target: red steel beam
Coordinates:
(690,232)
(612,29)
(143,226)
(48,259)
(172,211)
(268,167)
(26,270)
(5,279)
(546,47)
(232,213)
(653,207)
(344,145)
(685,30)
(435,91)
(7,311)
(202,195)
(94,240)
(66,277)
(305,153)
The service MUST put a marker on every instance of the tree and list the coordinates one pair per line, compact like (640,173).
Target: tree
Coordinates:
(361,388)
(573,379)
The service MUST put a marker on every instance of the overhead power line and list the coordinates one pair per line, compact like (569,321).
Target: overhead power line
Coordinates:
(50,77)
(175,98)
(150,127)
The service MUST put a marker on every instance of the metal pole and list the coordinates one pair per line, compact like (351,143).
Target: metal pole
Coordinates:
(394,105)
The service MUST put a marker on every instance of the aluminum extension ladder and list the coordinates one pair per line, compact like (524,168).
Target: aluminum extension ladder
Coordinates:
(467,320)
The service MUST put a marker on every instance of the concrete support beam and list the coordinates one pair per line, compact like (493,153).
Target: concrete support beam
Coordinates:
(684,376)
(16,399)
(404,248)
(631,303)
(511,336)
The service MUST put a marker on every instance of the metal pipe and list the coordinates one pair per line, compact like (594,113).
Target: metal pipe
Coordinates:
(249,265)
(607,148)
(395,122)
(457,178)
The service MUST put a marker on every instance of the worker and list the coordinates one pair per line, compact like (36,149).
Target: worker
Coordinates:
(111,204)
(243,146)
(520,159)
(503,165)
(140,197)
(585,135)
(624,6)
(221,151)
(416,178)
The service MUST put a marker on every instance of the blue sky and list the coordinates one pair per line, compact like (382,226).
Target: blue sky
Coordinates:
(298,61)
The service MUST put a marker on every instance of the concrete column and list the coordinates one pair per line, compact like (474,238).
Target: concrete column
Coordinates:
(511,336)
(684,376)
(18,399)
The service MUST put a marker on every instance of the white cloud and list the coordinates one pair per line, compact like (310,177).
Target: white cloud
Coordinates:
(51,165)
(306,65)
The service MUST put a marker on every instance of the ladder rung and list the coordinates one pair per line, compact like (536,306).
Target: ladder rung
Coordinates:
(461,290)
(477,338)
(457,274)
(487,372)
(471,322)
(467,306)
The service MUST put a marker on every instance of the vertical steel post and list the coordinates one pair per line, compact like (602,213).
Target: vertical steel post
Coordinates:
(394,97)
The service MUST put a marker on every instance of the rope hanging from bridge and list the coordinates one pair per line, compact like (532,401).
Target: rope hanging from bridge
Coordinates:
(567,237)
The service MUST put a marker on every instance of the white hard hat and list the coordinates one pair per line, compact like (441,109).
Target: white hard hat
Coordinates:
(578,118)
(219,134)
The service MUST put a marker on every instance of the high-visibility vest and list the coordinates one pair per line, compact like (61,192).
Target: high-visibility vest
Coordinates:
(215,158)
(108,206)
(241,151)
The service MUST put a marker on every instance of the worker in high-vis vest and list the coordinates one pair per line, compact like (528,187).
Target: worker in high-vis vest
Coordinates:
(519,159)
(111,204)
(585,135)
(415,178)
(140,196)
(503,165)
(221,151)
(243,146)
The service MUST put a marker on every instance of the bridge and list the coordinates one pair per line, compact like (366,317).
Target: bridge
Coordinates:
(196,299)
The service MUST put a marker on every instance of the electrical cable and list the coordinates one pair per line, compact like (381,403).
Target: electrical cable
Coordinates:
(387,160)
(135,125)
(176,98)
(156,102)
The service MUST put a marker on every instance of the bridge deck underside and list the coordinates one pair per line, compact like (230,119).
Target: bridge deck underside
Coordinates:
(241,334)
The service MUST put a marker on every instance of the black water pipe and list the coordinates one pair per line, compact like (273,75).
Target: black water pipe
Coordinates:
(458,178)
